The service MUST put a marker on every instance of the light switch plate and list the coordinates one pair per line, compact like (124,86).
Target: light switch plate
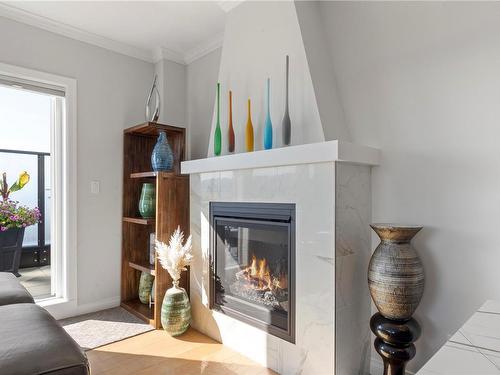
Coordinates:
(95,187)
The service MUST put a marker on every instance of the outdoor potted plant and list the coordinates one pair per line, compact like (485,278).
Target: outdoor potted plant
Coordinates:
(14,218)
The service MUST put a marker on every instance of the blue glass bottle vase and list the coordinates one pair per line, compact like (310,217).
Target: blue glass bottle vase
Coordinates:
(162,158)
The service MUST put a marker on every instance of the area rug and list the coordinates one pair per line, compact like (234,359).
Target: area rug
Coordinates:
(104,327)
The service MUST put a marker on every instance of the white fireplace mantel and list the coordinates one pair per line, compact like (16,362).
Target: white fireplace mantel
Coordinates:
(329,185)
(293,155)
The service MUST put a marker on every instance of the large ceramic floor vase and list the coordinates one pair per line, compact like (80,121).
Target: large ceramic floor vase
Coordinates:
(396,282)
(175,311)
(395,273)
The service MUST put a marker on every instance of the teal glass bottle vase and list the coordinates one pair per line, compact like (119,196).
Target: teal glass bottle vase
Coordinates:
(268,126)
(147,202)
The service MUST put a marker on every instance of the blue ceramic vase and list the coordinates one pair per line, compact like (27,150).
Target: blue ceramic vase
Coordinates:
(162,158)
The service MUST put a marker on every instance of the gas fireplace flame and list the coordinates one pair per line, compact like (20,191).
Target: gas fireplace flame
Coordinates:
(258,276)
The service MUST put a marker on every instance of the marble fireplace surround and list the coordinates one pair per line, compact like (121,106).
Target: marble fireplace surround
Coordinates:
(329,182)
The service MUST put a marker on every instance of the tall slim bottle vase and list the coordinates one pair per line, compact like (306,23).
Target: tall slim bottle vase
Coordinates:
(268,126)
(230,136)
(249,131)
(286,125)
(218,134)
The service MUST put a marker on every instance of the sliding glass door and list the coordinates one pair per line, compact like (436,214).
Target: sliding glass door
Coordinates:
(28,127)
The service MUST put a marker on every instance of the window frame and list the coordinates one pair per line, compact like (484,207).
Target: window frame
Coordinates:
(64,185)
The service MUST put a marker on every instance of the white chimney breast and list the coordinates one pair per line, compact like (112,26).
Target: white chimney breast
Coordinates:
(257,38)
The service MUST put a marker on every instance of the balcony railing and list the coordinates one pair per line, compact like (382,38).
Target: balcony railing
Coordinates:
(36,245)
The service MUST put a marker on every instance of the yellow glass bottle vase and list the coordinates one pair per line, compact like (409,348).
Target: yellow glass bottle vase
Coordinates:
(249,131)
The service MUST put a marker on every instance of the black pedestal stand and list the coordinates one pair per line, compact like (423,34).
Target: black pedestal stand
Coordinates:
(394,342)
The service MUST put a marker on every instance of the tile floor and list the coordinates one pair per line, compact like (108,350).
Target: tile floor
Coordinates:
(37,281)
(473,349)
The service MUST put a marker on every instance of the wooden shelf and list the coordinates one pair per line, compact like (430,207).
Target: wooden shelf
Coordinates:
(144,174)
(143,267)
(139,220)
(140,310)
(153,129)
(152,174)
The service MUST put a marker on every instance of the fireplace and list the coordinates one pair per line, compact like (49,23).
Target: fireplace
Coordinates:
(252,272)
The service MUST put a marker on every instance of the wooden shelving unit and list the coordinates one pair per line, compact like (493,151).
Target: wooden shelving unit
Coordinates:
(172,209)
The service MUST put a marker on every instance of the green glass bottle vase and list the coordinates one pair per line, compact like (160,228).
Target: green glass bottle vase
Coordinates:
(147,202)
(218,133)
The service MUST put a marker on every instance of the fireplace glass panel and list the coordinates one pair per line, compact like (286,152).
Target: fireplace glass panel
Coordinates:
(252,269)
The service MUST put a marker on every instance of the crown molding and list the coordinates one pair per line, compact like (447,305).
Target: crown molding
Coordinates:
(204,49)
(229,5)
(162,53)
(44,23)
(152,56)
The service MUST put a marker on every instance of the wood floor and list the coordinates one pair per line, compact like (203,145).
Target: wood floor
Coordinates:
(156,352)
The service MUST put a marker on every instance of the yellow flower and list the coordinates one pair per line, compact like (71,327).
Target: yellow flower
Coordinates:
(24,178)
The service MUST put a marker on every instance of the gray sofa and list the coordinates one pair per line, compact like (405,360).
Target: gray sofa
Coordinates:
(31,340)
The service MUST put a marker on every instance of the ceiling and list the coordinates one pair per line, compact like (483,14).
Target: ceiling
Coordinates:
(177,30)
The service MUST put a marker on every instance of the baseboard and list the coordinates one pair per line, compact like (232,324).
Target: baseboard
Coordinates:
(103,304)
(377,367)
(70,309)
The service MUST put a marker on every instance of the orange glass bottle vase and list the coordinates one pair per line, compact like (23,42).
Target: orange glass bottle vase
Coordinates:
(249,131)
(230,136)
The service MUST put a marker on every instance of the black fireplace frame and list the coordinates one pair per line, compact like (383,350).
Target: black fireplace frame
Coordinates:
(256,212)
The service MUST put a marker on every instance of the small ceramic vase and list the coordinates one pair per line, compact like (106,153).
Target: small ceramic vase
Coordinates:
(175,311)
(145,286)
(162,158)
(147,202)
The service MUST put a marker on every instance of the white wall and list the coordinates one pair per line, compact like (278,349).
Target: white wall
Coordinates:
(201,86)
(323,76)
(172,88)
(112,89)
(421,81)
